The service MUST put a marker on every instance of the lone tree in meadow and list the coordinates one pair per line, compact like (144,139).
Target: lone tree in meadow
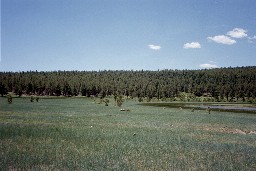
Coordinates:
(106,102)
(9,98)
(32,99)
(119,101)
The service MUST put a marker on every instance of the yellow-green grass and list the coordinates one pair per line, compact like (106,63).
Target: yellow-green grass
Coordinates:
(79,134)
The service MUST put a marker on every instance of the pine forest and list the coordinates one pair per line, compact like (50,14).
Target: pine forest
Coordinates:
(220,84)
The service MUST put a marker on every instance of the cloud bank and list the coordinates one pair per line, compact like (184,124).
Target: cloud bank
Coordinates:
(192,45)
(154,47)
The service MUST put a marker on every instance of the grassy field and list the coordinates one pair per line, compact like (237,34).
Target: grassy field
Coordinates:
(79,134)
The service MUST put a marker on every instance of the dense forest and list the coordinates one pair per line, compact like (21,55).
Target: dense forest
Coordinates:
(221,84)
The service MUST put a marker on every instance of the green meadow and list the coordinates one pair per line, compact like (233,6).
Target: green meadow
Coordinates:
(80,134)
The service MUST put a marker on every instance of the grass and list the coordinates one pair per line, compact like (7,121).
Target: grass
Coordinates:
(79,134)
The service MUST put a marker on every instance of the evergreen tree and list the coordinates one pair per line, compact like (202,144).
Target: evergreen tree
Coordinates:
(3,90)
(119,101)
(9,98)
(219,84)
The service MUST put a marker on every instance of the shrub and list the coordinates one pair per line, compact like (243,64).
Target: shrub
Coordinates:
(119,101)
(140,99)
(106,102)
(9,98)
(32,99)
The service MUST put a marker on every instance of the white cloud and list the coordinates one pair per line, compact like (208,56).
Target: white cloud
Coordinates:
(251,39)
(222,39)
(208,66)
(237,33)
(254,37)
(192,45)
(154,47)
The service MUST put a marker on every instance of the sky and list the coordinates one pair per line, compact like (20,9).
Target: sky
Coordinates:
(51,35)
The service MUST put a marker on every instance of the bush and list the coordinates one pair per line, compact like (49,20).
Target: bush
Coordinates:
(9,98)
(140,99)
(32,99)
(119,101)
(106,102)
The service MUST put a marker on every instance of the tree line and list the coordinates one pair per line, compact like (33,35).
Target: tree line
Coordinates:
(220,84)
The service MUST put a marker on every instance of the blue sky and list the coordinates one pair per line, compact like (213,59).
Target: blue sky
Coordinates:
(47,35)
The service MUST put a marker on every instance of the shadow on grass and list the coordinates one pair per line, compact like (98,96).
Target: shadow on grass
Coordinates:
(221,107)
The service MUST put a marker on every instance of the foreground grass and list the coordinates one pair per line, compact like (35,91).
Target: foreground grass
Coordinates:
(78,134)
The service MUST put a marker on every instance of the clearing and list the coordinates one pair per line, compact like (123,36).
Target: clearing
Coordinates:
(80,134)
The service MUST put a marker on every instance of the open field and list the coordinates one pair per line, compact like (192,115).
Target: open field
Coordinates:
(79,134)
